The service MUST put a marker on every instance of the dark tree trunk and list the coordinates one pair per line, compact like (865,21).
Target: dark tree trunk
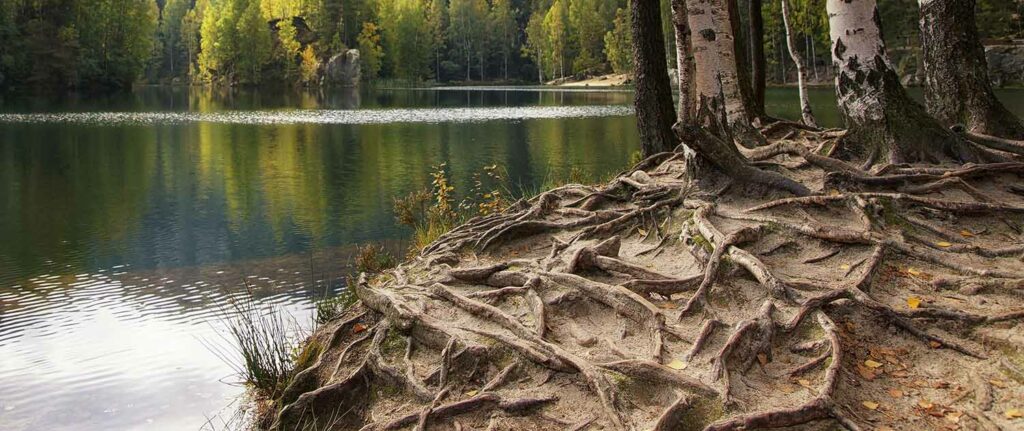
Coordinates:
(757,57)
(957,87)
(684,61)
(653,101)
(885,124)
(742,61)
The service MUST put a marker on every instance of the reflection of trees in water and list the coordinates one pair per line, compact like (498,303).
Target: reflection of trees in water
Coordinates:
(197,193)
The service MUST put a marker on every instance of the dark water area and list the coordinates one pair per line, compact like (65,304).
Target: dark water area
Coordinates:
(126,221)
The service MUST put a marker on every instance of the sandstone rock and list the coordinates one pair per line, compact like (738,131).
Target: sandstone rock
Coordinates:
(342,70)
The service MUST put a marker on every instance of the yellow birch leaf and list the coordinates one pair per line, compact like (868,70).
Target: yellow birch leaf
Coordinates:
(998,383)
(913,271)
(472,393)
(913,302)
(677,364)
(944,244)
(1013,414)
(641,232)
(870,405)
(966,233)
(872,364)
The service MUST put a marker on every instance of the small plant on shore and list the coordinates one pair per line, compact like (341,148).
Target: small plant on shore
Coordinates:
(373,259)
(264,348)
(329,308)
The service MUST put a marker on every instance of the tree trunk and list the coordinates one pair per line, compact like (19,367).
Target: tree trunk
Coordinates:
(653,100)
(806,115)
(684,61)
(715,65)
(957,87)
(743,72)
(885,124)
(757,56)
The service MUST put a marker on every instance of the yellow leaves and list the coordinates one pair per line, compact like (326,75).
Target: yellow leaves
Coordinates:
(870,405)
(925,404)
(472,393)
(944,244)
(913,302)
(845,267)
(934,344)
(1013,414)
(954,417)
(966,233)
(895,393)
(998,383)
(641,232)
(913,271)
(677,365)
(872,364)
(805,383)
(358,327)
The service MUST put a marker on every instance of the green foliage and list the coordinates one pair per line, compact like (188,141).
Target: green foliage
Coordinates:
(371,53)
(407,39)
(264,351)
(373,259)
(619,43)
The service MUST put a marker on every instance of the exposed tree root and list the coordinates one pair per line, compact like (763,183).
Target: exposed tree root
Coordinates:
(582,300)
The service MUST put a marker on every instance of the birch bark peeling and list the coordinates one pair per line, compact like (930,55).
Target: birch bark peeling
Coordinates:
(885,124)
(957,87)
(806,115)
(714,53)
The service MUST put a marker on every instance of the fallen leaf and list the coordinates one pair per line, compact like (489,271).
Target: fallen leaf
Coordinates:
(805,383)
(844,267)
(944,244)
(913,302)
(954,417)
(870,405)
(895,393)
(866,373)
(677,364)
(1013,414)
(900,373)
(872,364)
(669,305)
(913,271)
(641,232)
(935,344)
(472,393)
(925,404)
(787,389)
(998,383)
(966,233)
(762,358)
(358,327)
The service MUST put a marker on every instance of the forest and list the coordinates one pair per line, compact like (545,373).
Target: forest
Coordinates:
(65,44)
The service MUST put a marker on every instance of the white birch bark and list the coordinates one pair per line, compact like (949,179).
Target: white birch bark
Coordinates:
(715,75)
(806,115)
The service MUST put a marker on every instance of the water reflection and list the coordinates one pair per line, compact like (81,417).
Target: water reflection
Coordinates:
(125,221)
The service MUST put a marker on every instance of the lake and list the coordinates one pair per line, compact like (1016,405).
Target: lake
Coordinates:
(126,221)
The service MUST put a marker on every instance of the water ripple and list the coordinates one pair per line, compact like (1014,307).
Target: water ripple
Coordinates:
(323,116)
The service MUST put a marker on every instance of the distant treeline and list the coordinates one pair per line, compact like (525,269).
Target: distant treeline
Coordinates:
(59,44)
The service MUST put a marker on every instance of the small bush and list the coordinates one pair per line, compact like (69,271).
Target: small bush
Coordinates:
(330,308)
(373,259)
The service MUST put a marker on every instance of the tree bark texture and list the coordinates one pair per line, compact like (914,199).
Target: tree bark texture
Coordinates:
(684,61)
(653,101)
(957,87)
(715,65)
(757,58)
(806,115)
(743,72)
(884,123)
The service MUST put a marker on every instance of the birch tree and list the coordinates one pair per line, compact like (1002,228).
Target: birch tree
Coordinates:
(806,115)
(884,123)
(715,60)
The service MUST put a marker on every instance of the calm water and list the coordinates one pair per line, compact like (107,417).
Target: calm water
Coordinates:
(126,221)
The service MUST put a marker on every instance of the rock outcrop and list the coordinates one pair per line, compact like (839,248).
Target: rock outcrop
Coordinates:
(1005,64)
(342,70)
